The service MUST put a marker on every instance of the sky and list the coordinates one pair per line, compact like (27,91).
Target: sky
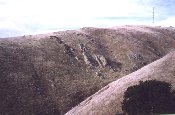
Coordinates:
(21,17)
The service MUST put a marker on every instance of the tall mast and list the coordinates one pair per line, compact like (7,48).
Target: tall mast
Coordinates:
(153,15)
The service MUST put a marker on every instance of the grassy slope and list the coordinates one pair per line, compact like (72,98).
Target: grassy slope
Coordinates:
(108,100)
(44,74)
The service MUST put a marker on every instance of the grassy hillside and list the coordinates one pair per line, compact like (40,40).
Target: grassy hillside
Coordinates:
(108,100)
(51,73)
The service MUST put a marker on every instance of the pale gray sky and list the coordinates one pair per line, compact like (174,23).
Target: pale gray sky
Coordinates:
(19,17)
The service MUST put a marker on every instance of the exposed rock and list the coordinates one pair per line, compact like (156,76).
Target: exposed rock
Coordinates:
(89,60)
(82,47)
(58,39)
(68,50)
(99,74)
(98,60)
(134,56)
(101,60)
(137,59)
(86,60)
(77,58)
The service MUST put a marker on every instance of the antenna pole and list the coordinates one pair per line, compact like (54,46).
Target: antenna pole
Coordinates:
(153,15)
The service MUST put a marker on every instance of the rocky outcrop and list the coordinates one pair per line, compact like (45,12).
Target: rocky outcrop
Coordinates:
(68,50)
(93,59)
(138,59)
(96,60)
(88,58)
(82,48)
(59,40)
(134,56)
(101,60)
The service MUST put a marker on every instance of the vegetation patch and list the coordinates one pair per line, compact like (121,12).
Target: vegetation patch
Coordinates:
(149,97)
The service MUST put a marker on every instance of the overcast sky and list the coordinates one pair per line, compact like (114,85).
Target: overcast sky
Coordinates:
(20,17)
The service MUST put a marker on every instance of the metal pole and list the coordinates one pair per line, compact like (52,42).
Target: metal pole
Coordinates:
(153,15)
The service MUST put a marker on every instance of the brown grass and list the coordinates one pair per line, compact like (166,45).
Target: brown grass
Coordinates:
(40,71)
(108,100)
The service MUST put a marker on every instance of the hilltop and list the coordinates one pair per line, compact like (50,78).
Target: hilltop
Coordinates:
(51,73)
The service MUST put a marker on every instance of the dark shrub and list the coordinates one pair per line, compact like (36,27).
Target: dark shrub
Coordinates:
(149,97)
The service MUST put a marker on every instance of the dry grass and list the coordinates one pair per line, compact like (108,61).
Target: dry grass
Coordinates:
(107,101)
(41,71)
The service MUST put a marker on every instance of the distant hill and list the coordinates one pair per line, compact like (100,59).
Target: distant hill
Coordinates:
(51,73)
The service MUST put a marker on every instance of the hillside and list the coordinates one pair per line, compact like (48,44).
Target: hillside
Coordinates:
(108,100)
(51,73)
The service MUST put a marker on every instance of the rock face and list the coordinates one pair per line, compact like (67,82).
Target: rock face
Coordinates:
(108,100)
(93,59)
(68,50)
(51,73)
(97,60)
(101,60)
